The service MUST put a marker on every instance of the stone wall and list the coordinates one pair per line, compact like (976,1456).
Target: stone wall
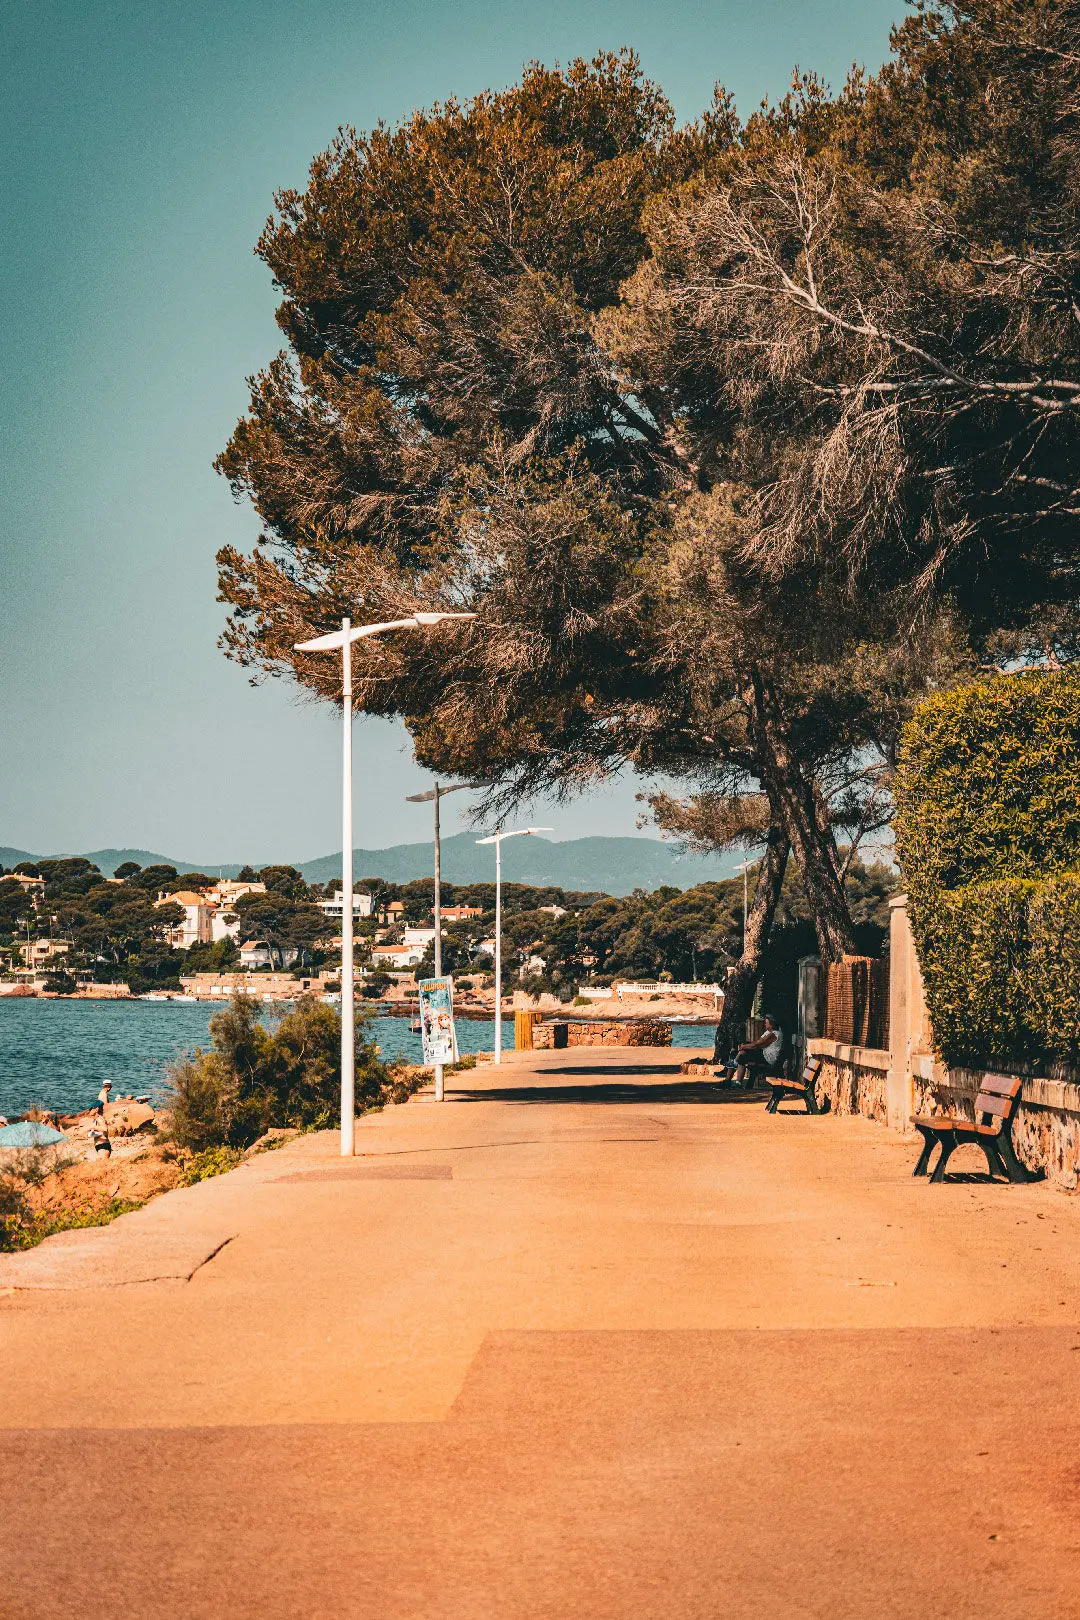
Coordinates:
(601,1032)
(852,1079)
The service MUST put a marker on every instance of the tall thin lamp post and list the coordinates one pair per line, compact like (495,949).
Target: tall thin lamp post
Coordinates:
(433,795)
(496,838)
(342,640)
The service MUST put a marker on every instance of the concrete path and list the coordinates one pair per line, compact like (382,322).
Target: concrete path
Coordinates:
(588,1340)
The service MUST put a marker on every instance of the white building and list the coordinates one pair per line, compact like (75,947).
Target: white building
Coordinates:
(419,936)
(257,954)
(227,891)
(224,924)
(197,926)
(40,951)
(32,886)
(397,956)
(362,903)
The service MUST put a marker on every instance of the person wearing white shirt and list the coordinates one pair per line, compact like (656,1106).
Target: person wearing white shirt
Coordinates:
(758,1057)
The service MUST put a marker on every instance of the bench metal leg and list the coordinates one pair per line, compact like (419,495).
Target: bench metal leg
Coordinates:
(810,1097)
(923,1165)
(994,1161)
(774,1100)
(1010,1164)
(948,1148)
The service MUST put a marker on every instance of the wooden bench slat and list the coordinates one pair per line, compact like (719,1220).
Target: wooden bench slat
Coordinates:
(1002,1085)
(986,1103)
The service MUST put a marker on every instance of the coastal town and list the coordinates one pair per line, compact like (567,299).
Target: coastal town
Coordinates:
(562,948)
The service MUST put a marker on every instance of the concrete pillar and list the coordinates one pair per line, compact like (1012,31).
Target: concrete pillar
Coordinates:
(910,1036)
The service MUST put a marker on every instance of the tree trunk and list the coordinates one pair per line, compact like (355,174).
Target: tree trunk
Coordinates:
(804,817)
(742,982)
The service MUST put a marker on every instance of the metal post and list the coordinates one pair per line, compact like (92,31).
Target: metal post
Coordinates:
(498,947)
(439,1091)
(348,1048)
(344,639)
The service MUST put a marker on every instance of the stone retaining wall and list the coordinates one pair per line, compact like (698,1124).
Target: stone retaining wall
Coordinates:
(852,1079)
(601,1032)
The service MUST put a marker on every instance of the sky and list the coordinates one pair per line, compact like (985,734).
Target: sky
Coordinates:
(142,145)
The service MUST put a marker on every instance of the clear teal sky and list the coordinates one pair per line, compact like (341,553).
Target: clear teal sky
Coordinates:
(142,142)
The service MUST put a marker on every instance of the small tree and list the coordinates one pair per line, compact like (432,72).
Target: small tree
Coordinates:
(255,1078)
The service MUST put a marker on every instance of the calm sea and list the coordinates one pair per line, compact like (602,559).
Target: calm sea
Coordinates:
(57,1053)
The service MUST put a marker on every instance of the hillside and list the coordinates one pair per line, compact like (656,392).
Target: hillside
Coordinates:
(613,865)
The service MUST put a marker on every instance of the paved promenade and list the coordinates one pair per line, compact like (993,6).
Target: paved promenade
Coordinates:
(587,1341)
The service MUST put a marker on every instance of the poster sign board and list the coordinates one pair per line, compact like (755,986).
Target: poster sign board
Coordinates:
(437,1021)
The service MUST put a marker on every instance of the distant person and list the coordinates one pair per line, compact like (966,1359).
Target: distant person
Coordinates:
(99,1140)
(758,1057)
(103,1095)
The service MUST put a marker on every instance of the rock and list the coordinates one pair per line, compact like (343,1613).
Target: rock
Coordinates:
(127,1118)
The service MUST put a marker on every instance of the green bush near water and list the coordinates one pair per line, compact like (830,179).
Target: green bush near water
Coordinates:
(988,836)
(255,1078)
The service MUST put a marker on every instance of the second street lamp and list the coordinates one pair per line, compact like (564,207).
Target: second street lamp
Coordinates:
(433,795)
(342,640)
(496,838)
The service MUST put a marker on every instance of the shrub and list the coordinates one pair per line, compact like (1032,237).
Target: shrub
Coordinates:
(15,1213)
(213,1161)
(255,1078)
(989,782)
(988,836)
(203,1098)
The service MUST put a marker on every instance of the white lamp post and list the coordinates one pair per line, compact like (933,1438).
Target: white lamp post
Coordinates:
(435,794)
(496,838)
(343,639)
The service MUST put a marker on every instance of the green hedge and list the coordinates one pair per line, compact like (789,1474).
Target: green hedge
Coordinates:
(988,836)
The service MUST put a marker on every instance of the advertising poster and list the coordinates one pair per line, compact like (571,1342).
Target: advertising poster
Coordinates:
(437,1021)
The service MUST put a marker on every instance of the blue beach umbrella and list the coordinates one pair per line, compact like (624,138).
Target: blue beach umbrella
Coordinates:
(29,1133)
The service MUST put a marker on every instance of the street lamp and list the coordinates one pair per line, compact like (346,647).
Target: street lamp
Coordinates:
(434,795)
(496,838)
(343,639)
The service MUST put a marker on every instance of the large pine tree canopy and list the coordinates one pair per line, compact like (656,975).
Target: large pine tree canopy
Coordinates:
(736,437)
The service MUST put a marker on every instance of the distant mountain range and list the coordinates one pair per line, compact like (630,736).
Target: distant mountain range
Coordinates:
(611,865)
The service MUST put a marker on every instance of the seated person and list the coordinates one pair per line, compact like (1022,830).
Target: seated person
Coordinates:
(758,1057)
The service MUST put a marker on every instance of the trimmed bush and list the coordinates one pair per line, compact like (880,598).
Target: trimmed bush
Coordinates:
(989,782)
(988,836)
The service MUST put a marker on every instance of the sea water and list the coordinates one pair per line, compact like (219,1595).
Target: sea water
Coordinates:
(57,1053)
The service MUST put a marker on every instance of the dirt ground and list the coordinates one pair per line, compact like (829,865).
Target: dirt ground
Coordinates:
(590,1340)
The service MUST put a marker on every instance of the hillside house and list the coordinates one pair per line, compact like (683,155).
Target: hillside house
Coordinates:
(397,956)
(41,951)
(334,906)
(33,887)
(456,914)
(227,891)
(257,954)
(197,926)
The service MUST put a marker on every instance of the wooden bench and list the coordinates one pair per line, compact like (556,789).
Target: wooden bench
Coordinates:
(803,1088)
(991,1130)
